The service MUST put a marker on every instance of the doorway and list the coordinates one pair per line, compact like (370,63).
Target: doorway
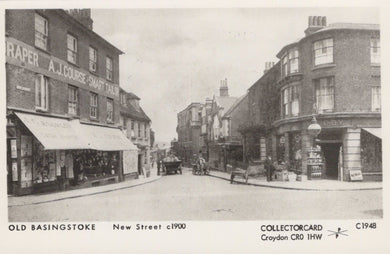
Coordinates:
(140,164)
(331,156)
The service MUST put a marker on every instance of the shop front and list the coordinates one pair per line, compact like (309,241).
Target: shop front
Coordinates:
(346,149)
(51,153)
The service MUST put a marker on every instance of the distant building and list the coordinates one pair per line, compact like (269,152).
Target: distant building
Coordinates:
(219,126)
(188,131)
(136,125)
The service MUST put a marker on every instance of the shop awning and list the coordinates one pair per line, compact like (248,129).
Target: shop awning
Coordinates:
(105,138)
(377,132)
(53,133)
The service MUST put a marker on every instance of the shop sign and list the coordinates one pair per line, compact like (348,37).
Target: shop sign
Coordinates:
(356,175)
(22,88)
(26,56)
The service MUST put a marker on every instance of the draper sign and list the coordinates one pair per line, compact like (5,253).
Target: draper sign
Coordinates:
(24,55)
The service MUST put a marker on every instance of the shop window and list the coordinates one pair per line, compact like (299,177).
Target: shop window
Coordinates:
(376,98)
(41,92)
(323,51)
(324,92)
(375,50)
(92,59)
(108,68)
(44,169)
(41,31)
(72,49)
(290,101)
(93,108)
(110,110)
(72,100)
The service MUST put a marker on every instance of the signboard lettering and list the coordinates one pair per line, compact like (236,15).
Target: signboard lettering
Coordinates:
(356,175)
(29,57)
(22,54)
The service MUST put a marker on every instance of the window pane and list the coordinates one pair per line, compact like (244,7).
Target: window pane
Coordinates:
(323,52)
(41,31)
(325,94)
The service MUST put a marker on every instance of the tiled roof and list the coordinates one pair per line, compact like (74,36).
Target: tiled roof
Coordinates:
(225,102)
(235,104)
(130,111)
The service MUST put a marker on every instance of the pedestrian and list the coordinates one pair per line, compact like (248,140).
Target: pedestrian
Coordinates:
(158,166)
(269,168)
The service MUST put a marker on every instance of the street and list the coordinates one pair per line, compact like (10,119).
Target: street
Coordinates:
(189,197)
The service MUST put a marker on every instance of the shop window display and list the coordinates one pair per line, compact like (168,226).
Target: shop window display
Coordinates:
(89,164)
(295,152)
(44,169)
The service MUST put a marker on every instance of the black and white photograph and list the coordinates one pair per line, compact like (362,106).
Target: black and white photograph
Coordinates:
(156,120)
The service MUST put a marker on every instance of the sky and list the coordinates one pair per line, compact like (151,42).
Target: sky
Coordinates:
(177,56)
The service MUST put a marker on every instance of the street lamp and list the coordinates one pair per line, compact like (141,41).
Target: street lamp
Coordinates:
(313,130)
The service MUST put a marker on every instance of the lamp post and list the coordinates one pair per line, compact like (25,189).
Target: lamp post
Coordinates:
(314,129)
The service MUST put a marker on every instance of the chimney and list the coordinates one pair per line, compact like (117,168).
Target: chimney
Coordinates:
(315,23)
(268,66)
(223,89)
(82,15)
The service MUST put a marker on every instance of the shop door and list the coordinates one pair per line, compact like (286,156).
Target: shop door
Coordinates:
(331,156)
(139,164)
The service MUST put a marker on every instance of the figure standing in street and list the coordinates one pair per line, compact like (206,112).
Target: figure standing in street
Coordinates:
(269,168)
(158,166)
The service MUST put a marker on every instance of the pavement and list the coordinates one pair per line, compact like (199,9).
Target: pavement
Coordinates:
(306,185)
(56,196)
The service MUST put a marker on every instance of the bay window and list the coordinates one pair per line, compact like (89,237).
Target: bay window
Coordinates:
(293,57)
(290,101)
(290,62)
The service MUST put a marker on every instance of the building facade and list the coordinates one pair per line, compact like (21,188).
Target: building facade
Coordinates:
(332,73)
(220,140)
(189,132)
(62,92)
(136,125)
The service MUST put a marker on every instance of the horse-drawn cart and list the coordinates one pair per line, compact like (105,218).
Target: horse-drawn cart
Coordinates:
(172,166)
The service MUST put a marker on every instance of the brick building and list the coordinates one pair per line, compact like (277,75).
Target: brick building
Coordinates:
(332,73)
(189,131)
(62,83)
(136,124)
